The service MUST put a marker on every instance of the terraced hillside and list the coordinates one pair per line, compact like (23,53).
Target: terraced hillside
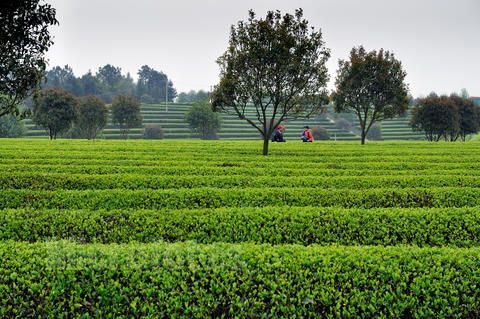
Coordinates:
(197,229)
(175,127)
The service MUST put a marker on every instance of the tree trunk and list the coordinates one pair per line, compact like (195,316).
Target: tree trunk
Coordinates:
(265,146)
(364,135)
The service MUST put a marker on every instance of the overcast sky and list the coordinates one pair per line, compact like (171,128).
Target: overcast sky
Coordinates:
(437,40)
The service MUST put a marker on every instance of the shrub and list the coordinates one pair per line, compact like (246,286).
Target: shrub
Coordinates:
(375,132)
(188,280)
(10,126)
(153,132)
(203,121)
(320,133)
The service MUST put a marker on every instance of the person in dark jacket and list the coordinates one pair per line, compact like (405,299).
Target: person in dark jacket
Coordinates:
(278,134)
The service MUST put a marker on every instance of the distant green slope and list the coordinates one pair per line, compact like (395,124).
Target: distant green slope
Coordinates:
(174,126)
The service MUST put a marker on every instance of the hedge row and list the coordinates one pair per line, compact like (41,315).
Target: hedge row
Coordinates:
(228,168)
(16,180)
(317,162)
(185,280)
(256,197)
(273,225)
(142,157)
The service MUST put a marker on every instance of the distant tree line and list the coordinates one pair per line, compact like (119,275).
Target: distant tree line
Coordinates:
(108,82)
(448,118)
(61,113)
(193,96)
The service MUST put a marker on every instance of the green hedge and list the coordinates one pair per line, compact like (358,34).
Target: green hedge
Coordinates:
(229,168)
(239,197)
(16,180)
(185,280)
(273,225)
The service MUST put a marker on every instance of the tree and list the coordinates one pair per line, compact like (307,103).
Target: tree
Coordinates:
(24,39)
(371,85)
(63,78)
(112,83)
(91,116)
(126,113)
(90,84)
(54,110)
(10,126)
(155,85)
(203,121)
(436,116)
(276,64)
(468,116)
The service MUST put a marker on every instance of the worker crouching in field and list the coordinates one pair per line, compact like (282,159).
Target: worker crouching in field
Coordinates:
(307,135)
(278,134)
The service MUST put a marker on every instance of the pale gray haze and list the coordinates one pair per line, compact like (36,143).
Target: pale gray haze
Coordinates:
(436,40)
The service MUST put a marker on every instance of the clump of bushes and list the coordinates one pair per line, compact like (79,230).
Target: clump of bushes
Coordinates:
(320,133)
(153,132)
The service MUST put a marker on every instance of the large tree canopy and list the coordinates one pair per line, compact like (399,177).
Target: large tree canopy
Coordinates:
(276,64)
(24,39)
(371,85)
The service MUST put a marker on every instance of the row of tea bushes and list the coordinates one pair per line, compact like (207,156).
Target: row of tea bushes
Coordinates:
(273,225)
(186,280)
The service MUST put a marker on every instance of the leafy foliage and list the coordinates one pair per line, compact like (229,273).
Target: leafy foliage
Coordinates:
(54,110)
(320,133)
(456,227)
(24,39)
(153,85)
(278,65)
(375,132)
(153,132)
(245,281)
(10,126)
(437,116)
(92,116)
(371,85)
(203,121)
(201,229)
(126,113)
(193,96)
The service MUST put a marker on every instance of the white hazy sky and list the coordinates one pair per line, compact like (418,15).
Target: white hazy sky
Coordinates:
(436,40)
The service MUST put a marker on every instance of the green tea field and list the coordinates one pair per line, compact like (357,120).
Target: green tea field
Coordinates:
(212,229)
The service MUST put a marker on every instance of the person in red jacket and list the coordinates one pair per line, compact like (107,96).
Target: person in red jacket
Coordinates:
(307,135)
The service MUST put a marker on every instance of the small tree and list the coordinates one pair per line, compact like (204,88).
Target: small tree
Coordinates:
(468,116)
(126,113)
(54,110)
(371,85)
(24,39)
(436,116)
(203,121)
(92,116)
(273,69)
